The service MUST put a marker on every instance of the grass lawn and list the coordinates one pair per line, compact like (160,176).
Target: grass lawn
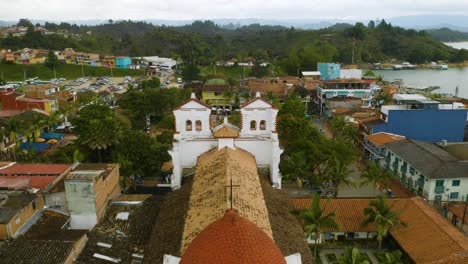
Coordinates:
(16,72)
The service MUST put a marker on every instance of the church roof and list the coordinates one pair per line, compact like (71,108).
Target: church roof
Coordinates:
(258,99)
(233,240)
(210,195)
(226,130)
(193,99)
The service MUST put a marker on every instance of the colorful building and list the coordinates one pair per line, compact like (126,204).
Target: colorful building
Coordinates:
(329,71)
(420,118)
(18,101)
(123,62)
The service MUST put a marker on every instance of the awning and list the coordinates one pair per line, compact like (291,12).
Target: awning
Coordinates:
(47,136)
(36,146)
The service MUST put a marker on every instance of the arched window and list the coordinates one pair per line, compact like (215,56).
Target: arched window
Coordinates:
(263,125)
(188,125)
(198,125)
(253,125)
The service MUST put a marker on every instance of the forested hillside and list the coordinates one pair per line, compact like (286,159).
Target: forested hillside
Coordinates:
(204,43)
(448,35)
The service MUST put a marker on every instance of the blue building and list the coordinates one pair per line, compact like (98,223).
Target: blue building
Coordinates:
(420,119)
(123,62)
(329,71)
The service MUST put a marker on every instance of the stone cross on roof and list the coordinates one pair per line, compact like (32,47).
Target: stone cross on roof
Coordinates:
(231,186)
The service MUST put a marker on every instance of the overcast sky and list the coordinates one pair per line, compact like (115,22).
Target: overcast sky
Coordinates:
(209,9)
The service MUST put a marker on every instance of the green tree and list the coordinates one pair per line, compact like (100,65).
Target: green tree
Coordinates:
(96,128)
(338,173)
(386,257)
(190,72)
(140,154)
(51,60)
(316,220)
(374,174)
(154,82)
(382,215)
(24,22)
(338,125)
(352,256)
(293,106)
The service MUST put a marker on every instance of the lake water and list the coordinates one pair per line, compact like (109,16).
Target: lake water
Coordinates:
(457,45)
(448,80)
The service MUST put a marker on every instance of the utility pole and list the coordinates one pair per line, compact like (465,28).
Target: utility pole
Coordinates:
(112,74)
(55,73)
(1,76)
(82,69)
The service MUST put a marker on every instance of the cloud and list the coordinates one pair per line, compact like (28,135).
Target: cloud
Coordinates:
(55,10)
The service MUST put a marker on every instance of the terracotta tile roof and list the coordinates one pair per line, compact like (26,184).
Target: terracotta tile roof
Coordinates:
(458,210)
(371,121)
(209,198)
(381,138)
(37,182)
(349,212)
(232,240)
(35,169)
(429,237)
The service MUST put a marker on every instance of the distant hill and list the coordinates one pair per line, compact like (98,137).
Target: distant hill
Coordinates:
(448,35)
(453,22)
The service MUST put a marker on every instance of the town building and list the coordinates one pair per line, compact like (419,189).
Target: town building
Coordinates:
(374,144)
(134,216)
(329,71)
(16,209)
(350,73)
(122,62)
(311,75)
(47,241)
(427,170)
(108,62)
(16,101)
(195,136)
(215,92)
(427,238)
(47,179)
(349,93)
(50,91)
(88,189)
(415,117)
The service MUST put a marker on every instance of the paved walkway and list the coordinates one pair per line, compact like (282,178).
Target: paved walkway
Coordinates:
(357,191)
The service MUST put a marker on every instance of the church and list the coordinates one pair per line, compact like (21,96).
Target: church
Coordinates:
(195,135)
(229,210)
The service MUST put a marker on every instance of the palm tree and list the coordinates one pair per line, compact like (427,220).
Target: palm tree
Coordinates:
(381,214)
(352,256)
(390,257)
(297,167)
(315,220)
(338,173)
(374,175)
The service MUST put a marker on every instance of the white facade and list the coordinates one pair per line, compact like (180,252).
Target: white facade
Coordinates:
(433,189)
(194,137)
(351,74)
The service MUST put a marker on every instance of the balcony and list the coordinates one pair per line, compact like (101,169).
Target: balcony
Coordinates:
(439,189)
